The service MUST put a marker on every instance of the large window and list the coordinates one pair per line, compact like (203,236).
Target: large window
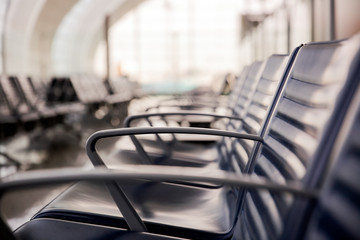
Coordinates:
(176,40)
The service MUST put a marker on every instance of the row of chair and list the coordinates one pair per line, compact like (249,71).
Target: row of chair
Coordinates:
(256,88)
(23,106)
(286,165)
(106,99)
(27,102)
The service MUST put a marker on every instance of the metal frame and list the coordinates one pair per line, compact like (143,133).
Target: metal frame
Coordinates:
(130,215)
(129,119)
(154,173)
(194,105)
(97,161)
(36,178)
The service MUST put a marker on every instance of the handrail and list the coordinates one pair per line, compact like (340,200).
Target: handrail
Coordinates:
(155,173)
(97,161)
(129,119)
(195,105)
(124,205)
(144,156)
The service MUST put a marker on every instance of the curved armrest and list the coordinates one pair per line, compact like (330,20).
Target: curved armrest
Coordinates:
(129,119)
(154,173)
(130,215)
(190,98)
(194,105)
(97,161)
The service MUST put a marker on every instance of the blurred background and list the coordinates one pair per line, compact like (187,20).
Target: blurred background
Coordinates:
(72,67)
(164,45)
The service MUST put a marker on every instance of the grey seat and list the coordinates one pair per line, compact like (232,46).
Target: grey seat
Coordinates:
(337,212)
(61,95)
(8,120)
(48,115)
(300,136)
(297,146)
(254,101)
(200,201)
(27,116)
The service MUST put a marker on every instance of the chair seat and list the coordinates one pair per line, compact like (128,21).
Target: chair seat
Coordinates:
(55,229)
(182,154)
(205,211)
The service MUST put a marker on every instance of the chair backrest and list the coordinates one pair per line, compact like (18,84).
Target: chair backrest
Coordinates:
(5,109)
(61,90)
(122,86)
(337,214)
(237,152)
(28,90)
(89,89)
(14,95)
(69,94)
(238,86)
(99,88)
(301,131)
(248,89)
(53,91)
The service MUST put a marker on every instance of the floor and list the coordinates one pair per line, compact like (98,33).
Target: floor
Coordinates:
(57,147)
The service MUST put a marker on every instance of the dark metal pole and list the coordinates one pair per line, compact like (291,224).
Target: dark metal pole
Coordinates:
(332,20)
(312,12)
(107,25)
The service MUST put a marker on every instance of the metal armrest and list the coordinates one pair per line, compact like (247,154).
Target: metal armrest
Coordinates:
(194,105)
(129,119)
(154,173)
(128,211)
(97,161)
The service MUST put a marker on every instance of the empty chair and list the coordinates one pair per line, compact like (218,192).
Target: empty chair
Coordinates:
(48,115)
(337,212)
(301,134)
(61,95)
(8,120)
(254,100)
(89,90)
(18,105)
(198,201)
(223,105)
(298,142)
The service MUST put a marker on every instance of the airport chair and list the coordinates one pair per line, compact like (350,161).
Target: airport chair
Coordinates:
(236,108)
(92,92)
(215,105)
(28,117)
(301,135)
(161,147)
(61,95)
(336,213)
(296,144)
(332,206)
(253,104)
(48,115)
(300,139)
(89,90)
(9,122)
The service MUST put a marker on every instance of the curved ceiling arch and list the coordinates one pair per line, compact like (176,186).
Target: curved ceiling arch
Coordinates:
(81,30)
(48,20)
(20,23)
